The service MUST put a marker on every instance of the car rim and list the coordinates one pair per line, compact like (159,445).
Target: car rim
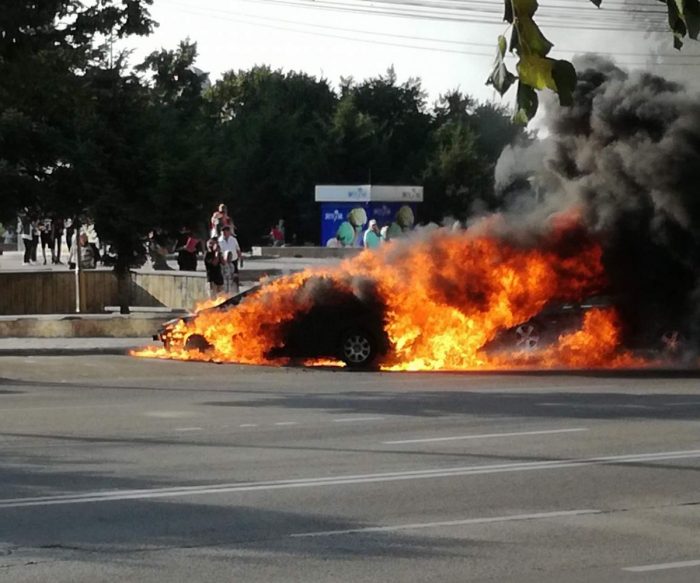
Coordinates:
(527,337)
(672,341)
(357,348)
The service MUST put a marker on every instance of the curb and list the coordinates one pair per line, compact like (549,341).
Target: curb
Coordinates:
(114,351)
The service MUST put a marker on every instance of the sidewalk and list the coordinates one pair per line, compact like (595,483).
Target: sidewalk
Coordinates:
(69,346)
(253,267)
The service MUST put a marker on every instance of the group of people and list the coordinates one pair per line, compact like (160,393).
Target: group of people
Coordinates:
(223,256)
(49,234)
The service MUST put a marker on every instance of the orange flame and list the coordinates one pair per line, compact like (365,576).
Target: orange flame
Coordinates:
(446,295)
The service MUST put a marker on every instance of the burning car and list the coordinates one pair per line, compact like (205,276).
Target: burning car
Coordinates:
(338,324)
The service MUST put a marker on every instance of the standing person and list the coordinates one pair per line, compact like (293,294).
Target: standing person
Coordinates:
(26,234)
(70,232)
(187,247)
(231,251)
(45,236)
(56,234)
(82,251)
(93,239)
(219,220)
(35,239)
(212,263)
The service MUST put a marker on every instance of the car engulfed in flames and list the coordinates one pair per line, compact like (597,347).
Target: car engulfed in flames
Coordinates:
(439,301)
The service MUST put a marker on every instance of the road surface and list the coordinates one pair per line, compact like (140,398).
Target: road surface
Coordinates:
(114,469)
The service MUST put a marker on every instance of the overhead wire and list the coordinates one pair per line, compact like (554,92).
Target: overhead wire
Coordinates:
(240,17)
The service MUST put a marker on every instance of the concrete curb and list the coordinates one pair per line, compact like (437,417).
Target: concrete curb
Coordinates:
(111,351)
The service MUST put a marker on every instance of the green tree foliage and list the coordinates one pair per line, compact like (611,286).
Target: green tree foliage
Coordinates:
(46,50)
(157,145)
(271,145)
(538,71)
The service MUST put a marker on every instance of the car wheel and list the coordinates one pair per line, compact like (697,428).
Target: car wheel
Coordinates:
(672,343)
(527,337)
(357,349)
(197,342)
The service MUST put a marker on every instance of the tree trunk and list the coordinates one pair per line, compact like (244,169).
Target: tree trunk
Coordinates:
(123,274)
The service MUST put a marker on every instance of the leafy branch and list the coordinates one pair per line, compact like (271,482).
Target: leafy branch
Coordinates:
(537,71)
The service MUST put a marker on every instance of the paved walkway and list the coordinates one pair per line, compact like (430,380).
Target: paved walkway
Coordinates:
(12,261)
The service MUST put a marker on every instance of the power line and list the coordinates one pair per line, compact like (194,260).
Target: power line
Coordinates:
(490,46)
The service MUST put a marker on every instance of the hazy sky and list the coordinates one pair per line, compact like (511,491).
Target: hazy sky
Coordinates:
(234,34)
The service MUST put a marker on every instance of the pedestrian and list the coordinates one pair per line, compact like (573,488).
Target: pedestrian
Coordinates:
(219,219)
(56,235)
(35,239)
(45,237)
(276,236)
(372,237)
(82,251)
(93,240)
(231,252)
(212,264)
(26,226)
(158,250)
(70,234)
(187,248)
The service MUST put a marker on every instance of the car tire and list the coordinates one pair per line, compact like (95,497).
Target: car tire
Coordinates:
(527,337)
(358,348)
(672,344)
(197,342)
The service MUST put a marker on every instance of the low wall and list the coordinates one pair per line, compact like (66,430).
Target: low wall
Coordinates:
(83,326)
(53,292)
(313,252)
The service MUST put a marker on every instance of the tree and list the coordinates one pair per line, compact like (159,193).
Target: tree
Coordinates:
(537,71)
(467,140)
(46,49)
(272,147)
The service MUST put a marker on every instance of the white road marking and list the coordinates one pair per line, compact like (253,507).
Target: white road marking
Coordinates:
(117,495)
(486,435)
(169,414)
(188,429)
(687,404)
(465,522)
(248,425)
(356,419)
(663,566)
(287,423)
(69,407)
(596,405)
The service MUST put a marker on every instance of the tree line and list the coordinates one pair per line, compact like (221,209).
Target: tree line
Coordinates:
(156,144)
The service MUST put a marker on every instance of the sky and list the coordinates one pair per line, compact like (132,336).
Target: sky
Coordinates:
(446,54)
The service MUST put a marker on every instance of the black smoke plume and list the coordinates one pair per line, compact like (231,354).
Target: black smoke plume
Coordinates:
(626,157)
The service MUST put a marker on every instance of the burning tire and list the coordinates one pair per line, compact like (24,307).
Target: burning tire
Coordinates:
(672,343)
(358,349)
(527,337)
(197,342)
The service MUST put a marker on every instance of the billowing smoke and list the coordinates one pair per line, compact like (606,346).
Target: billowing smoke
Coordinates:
(626,158)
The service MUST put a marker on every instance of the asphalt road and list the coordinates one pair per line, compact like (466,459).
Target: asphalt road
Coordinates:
(118,469)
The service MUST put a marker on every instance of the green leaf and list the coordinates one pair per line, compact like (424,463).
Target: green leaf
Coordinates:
(501,78)
(691,13)
(564,76)
(527,103)
(541,73)
(524,8)
(536,72)
(531,41)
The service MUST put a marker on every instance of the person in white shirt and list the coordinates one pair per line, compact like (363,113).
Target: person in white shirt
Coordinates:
(231,253)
